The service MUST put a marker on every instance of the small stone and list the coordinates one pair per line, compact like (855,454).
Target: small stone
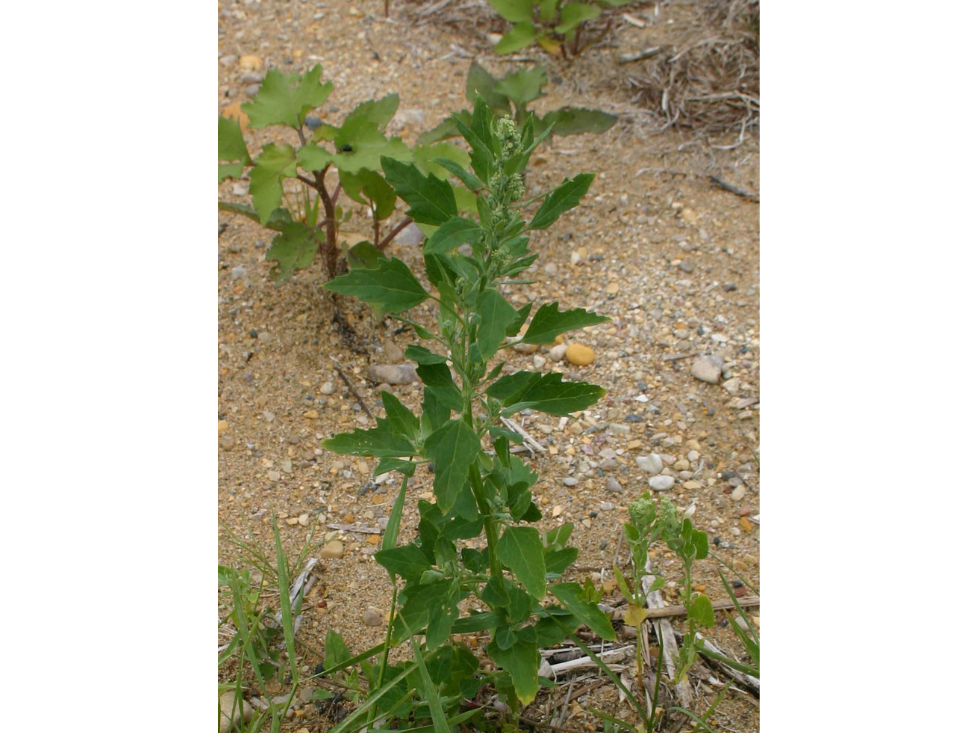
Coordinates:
(686,266)
(613,485)
(312,122)
(311,414)
(227,442)
(332,549)
(526,348)
(409,118)
(557,511)
(613,289)
(250,63)
(570,481)
(661,483)
(274,476)
(231,712)
(619,429)
(580,355)
(538,361)
(392,373)
(550,269)
(410,236)
(394,354)
(372,617)
(222,426)
(746,525)
(652,463)
(268,416)
(304,520)
(708,368)
(327,388)
(238,272)
(692,485)
(693,456)
(558,352)
(741,622)
(738,493)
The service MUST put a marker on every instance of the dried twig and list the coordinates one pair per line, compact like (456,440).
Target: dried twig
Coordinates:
(679,610)
(627,58)
(532,443)
(352,390)
(355,528)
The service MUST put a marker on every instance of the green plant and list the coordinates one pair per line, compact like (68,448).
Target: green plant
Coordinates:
(553,24)
(308,221)
(511,96)
(482,497)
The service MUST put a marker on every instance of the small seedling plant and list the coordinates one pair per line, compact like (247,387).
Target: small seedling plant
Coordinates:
(478,540)
(309,223)
(510,96)
(557,26)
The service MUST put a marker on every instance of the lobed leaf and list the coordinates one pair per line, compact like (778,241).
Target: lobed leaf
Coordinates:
(391,286)
(284,99)
(564,197)
(293,249)
(274,163)
(432,200)
(549,322)
(571,596)
(453,233)
(521,661)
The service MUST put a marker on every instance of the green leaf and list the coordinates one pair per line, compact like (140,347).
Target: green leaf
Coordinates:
(284,99)
(576,120)
(549,322)
(278,220)
(364,255)
(376,442)
(432,200)
(371,184)
(521,549)
(401,420)
(510,388)
(391,287)
(394,464)
(482,82)
(424,158)
(701,611)
(294,249)
(459,172)
(274,163)
(407,561)
(478,622)
(564,197)
(312,158)
(495,314)
(424,356)
(230,141)
(573,14)
(570,595)
(229,170)
(378,112)
(521,35)
(555,397)
(359,145)
(430,693)
(513,11)
(524,86)
(453,233)
(434,414)
(452,447)
(521,315)
(521,661)
(438,378)
(559,560)
(445,129)
(336,650)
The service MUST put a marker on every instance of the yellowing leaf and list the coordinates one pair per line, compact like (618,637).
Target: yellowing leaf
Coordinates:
(635,615)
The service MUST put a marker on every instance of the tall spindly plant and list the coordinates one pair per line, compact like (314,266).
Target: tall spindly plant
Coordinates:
(483,492)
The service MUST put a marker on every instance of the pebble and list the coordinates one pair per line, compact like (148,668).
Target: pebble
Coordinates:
(312,122)
(332,549)
(526,348)
(304,520)
(550,269)
(227,442)
(250,63)
(268,416)
(661,483)
(692,485)
(651,463)
(538,361)
(580,355)
(558,352)
(327,388)
(372,617)
(392,373)
(708,368)
(274,476)
(613,485)
(410,236)
(618,429)
(394,354)
(230,712)
(686,266)
(732,386)
(570,481)
(738,493)
(238,272)
(693,456)
(311,414)
(222,426)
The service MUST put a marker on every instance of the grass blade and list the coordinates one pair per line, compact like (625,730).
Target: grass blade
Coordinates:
(430,692)
(611,719)
(287,625)
(349,720)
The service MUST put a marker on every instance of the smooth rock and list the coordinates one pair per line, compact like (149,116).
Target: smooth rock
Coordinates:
(732,386)
(392,373)
(651,463)
(394,354)
(274,476)
(551,269)
(580,355)
(661,483)
(250,63)
(327,388)
(613,485)
(738,493)
(372,617)
(229,712)
(332,549)
(570,481)
(708,368)
(538,361)
(558,352)
(410,236)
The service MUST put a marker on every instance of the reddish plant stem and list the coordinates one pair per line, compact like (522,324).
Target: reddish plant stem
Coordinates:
(405,222)
(328,249)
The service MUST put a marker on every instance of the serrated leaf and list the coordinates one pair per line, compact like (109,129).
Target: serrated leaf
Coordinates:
(453,233)
(424,356)
(434,413)
(376,112)
(505,637)
(521,35)
(230,141)
(452,447)
(571,596)
(371,184)
(312,158)
(432,200)
(274,163)
(360,145)
(480,81)
(576,120)
(524,86)
(521,661)
(229,170)
(278,220)
(510,388)
(549,322)
(377,442)
(284,99)
(495,314)
(573,14)
(445,129)
(364,255)
(701,611)
(555,397)
(294,249)
(460,173)
(407,561)
(521,315)
(521,549)
(564,197)
(437,377)
(401,420)
(390,287)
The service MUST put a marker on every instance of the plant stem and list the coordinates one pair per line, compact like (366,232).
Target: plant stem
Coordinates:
(386,651)
(329,249)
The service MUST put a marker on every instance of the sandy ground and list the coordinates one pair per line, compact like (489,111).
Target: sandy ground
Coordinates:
(673,261)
